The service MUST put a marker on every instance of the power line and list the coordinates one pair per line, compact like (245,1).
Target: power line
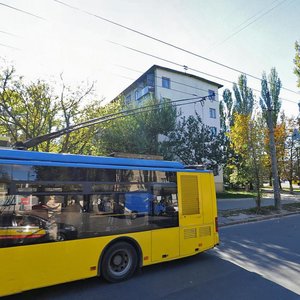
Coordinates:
(9,33)
(10,47)
(259,16)
(23,11)
(192,69)
(173,81)
(163,42)
(253,16)
(172,89)
(40,139)
(168,61)
(194,87)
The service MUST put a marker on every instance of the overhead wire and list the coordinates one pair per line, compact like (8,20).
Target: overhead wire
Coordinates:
(151,37)
(167,60)
(159,77)
(147,108)
(9,33)
(254,15)
(194,87)
(23,11)
(163,42)
(259,16)
(10,47)
(192,69)
(174,81)
(142,52)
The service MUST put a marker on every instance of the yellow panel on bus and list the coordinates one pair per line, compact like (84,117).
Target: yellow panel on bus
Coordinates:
(197,212)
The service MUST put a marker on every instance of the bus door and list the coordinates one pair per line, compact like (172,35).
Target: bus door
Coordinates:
(164,222)
(190,212)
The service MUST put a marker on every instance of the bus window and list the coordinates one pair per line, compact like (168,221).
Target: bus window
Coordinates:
(123,211)
(165,205)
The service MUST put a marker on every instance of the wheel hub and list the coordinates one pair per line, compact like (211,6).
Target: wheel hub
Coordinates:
(117,260)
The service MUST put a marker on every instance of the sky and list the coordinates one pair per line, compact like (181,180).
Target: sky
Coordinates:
(45,38)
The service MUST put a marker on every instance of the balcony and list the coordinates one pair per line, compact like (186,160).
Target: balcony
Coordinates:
(141,93)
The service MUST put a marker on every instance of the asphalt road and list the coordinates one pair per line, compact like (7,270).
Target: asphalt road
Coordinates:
(254,261)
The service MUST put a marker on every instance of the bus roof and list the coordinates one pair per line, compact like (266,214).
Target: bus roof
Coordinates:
(32,156)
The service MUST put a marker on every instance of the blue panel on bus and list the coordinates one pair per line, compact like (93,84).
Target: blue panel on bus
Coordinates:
(138,201)
(84,159)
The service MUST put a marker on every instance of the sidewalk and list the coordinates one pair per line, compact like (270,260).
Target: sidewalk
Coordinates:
(238,211)
(241,218)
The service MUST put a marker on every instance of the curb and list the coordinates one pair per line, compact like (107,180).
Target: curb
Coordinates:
(261,218)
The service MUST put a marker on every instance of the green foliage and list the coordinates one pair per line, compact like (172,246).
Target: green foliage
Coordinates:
(27,110)
(289,159)
(237,169)
(297,62)
(226,110)
(270,90)
(244,99)
(247,141)
(235,194)
(31,110)
(194,143)
(138,133)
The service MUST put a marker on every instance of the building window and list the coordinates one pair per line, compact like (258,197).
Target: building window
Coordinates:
(128,99)
(137,95)
(211,95)
(150,80)
(212,113)
(213,130)
(166,82)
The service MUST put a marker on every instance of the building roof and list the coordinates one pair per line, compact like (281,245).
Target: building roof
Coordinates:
(173,71)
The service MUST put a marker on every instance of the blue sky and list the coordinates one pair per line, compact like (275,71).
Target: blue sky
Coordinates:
(76,44)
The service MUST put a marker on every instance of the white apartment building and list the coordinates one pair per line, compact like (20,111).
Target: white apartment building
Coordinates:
(165,83)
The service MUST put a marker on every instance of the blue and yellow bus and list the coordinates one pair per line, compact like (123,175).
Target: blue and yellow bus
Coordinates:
(67,217)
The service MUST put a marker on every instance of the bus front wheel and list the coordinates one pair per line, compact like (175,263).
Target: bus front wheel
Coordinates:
(119,262)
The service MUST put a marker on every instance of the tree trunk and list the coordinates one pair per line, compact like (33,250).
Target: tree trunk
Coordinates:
(277,198)
(291,186)
(279,182)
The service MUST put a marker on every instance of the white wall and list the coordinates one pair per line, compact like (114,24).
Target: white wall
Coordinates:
(182,87)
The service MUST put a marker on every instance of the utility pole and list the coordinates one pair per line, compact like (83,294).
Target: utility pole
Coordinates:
(277,197)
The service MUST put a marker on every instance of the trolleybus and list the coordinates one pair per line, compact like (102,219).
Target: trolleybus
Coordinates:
(67,217)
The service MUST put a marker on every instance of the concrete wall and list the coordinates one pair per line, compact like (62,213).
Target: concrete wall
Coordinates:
(183,86)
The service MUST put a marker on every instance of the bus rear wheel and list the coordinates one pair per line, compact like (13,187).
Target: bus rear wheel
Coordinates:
(119,262)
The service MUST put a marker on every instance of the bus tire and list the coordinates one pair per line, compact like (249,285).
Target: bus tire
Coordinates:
(119,262)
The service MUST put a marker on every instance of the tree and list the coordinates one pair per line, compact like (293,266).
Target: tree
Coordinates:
(244,99)
(27,110)
(194,143)
(226,110)
(291,153)
(73,111)
(237,169)
(297,62)
(138,133)
(31,110)
(270,104)
(246,137)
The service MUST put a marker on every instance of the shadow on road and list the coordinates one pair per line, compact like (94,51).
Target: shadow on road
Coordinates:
(205,276)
